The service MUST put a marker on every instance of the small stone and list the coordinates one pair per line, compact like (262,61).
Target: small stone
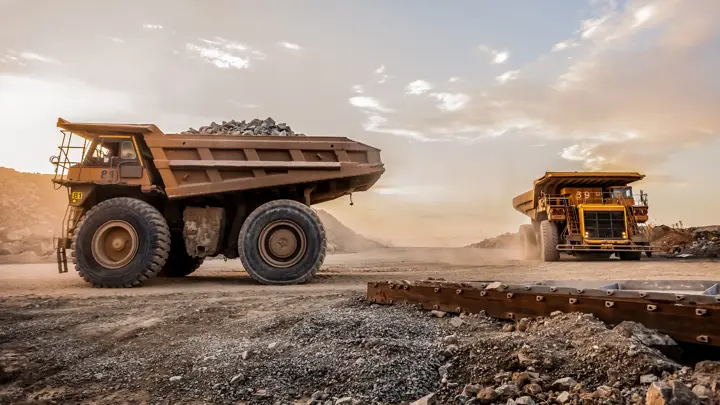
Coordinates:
(261,393)
(244,355)
(272,345)
(532,389)
(508,327)
(450,340)
(451,349)
(438,314)
(556,313)
(521,379)
(487,395)
(428,399)
(563,397)
(236,378)
(525,401)
(507,390)
(452,385)
(360,361)
(248,133)
(344,401)
(658,394)
(471,390)
(510,402)
(456,322)
(565,384)
(317,395)
(604,391)
(175,378)
(648,378)
(702,391)
(443,370)
(98,376)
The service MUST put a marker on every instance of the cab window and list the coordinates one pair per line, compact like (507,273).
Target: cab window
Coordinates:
(127,151)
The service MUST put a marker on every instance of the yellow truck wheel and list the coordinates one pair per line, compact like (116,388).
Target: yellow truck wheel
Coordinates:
(179,262)
(282,242)
(120,242)
(549,242)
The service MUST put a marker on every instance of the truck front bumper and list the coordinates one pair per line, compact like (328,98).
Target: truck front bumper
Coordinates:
(610,247)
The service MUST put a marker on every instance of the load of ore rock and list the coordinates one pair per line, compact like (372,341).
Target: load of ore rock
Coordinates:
(256,127)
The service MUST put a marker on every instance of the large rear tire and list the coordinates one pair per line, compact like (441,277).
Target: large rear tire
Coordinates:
(549,241)
(529,242)
(120,242)
(282,242)
(179,262)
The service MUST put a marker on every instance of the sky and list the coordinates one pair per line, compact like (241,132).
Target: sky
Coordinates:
(469,100)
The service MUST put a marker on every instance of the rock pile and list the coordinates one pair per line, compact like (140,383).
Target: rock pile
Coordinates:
(695,242)
(256,127)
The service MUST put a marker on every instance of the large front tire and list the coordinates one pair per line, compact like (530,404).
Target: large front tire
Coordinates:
(179,262)
(282,242)
(549,241)
(120,242)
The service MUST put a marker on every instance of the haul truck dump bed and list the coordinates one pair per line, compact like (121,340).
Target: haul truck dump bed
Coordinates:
(144,203)
(586,214)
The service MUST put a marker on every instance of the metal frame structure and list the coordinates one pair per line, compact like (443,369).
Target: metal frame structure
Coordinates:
(686,310)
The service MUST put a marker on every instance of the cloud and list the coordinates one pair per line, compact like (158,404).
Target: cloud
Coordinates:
(562,45)
(116,40)
(219,57)
(225,53)
(368,103)
(643,14)
(380,70)
(418,87)
(451,101)
(290,45)
(38,58)
(153,26)
(641,88)
(454,79)
(501,57)
(375,122)
(507,76)
(498,56)
(358,89)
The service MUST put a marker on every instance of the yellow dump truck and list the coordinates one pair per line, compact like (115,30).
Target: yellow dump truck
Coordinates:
(143,203)
(584,214)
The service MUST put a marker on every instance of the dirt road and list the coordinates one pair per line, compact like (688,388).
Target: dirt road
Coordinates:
(194,340)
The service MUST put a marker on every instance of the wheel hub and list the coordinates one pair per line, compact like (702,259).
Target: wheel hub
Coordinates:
(114,244)
(282,244)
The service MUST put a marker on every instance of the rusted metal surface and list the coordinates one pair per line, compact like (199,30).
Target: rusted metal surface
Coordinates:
(686,310)
(196,165)
(203,230)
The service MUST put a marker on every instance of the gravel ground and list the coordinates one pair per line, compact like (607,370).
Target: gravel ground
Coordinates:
(217,337)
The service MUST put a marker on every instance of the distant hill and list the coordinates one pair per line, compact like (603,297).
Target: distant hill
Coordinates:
(32,211)
(342,239)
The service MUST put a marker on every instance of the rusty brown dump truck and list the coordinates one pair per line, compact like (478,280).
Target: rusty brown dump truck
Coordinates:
(584,214)
(143,203)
